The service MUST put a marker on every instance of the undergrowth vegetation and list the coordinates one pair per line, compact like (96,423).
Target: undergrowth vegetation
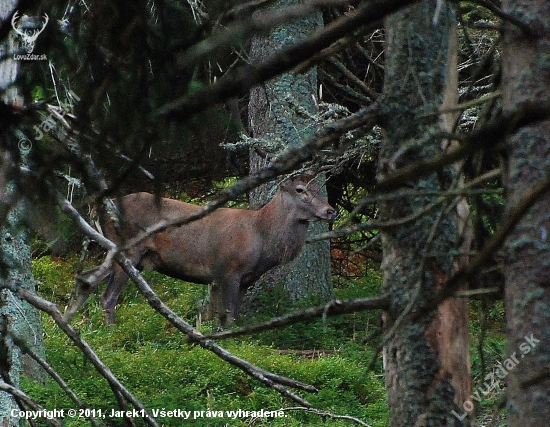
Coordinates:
(158,365)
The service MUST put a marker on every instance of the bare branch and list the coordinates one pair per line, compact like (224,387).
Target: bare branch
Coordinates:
(245,9)
(21,343)
(465,189)
(539,377)
(325,414)
(350,76)
(57,316)
(376,225)
(271,380)
(476,292)
(248,76)
(488,137)
(379,225)
(259,23)
(527,30)
(513,216)
(23,397)
(363,99)
(83,225)
(332,308)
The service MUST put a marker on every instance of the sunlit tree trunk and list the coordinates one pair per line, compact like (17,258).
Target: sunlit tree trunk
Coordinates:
(17,318)
(526,81)
(280,112)
(426,357)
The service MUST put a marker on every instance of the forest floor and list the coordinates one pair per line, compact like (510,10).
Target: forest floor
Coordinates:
(158,365)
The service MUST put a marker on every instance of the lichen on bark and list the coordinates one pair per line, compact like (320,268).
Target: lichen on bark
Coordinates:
(285,106)
(417,256)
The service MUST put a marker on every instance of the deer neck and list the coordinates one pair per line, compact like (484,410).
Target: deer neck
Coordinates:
(283,231)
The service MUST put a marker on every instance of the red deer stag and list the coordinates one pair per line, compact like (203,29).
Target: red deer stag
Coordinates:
(229,248)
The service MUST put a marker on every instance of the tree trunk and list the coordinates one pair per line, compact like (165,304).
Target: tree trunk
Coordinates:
(426,358)
(280,113)
(526,79)
(16,316)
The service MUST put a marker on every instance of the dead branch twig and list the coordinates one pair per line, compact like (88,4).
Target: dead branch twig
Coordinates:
(326,414)
(274,381)
(513,216)
(490,136)
(247,76)
(21,343)
(52,309)
(27,400)
(332,308)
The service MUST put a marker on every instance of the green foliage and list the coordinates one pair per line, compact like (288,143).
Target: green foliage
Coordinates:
(494,351)
(487,351)
(155,362)
(473,12)
(327,333)
(37,93)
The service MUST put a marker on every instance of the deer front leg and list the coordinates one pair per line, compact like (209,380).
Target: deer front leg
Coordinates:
(109,299)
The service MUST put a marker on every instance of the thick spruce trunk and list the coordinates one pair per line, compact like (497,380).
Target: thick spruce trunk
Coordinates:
(280,112)
(426,357)
(526,80)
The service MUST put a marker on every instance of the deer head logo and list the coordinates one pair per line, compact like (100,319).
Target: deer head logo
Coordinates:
(28,33)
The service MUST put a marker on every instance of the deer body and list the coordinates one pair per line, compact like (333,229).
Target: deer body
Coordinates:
(229,248)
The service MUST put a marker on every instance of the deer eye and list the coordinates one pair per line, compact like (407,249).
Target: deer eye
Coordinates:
(300,190)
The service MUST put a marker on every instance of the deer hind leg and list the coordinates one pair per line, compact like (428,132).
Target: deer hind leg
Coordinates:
(85,284)
(223,301)
(109,299)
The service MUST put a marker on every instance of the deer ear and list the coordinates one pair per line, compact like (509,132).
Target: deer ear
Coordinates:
(289,184)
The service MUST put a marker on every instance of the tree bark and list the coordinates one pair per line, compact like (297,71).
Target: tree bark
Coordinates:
(16,315)
(526,80)
(280,112)
(425,356)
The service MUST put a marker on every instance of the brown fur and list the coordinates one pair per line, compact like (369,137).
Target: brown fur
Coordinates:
(230,248)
